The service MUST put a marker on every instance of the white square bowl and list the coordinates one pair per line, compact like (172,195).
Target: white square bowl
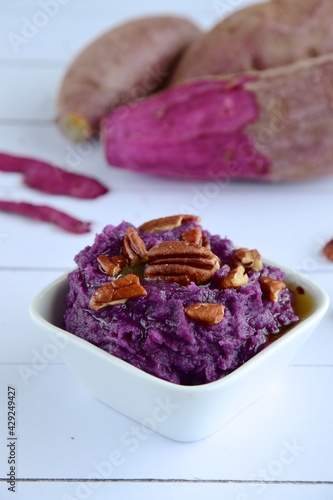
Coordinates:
(182,413)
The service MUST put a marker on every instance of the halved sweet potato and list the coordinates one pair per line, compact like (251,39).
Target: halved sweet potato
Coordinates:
(270,125)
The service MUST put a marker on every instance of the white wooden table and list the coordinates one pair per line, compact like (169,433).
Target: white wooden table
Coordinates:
(69,446)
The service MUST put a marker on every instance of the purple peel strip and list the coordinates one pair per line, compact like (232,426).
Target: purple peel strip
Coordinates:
(46,214)
(11,163)
(51,179)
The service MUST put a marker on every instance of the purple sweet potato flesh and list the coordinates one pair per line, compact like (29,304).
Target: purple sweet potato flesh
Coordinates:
(153,332)
(274,125)
(50,179)
(46,214)
(190,131)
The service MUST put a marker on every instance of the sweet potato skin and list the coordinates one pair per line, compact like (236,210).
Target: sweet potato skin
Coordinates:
(274,125)
(261,36)
(295,127)
(126,63)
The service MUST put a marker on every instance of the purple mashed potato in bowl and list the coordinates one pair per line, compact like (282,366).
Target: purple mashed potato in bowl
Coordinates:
(155,274)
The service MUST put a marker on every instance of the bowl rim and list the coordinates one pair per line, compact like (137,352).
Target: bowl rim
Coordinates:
(320,305)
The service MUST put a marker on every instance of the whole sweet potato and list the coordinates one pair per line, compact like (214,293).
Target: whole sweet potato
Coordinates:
(261,36)
(270,125)
(124,64)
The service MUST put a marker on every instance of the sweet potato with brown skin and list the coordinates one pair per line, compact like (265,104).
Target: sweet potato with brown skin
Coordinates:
(258,37)
(272,125)
(124,64)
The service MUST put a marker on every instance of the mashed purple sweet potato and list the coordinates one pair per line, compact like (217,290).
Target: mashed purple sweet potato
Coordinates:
(153,331)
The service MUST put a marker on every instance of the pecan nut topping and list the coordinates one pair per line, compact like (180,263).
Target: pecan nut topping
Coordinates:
(205,241)
(181,262)
(209,314)
(111,267)
(134,248)
(167,223)
(271,288)
(235,278)
(193,235)
(117,292)
(249,259)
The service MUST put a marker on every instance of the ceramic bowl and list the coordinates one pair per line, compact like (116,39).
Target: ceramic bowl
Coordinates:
(182,413)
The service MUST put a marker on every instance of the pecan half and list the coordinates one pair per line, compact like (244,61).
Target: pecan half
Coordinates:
(134,248)
(249,259)
(111,267)
(235,278)
(193,235)
(209,314)
(181,262)
(117,292)
(271,288)
(205,241)
(328,250)
(167,223)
